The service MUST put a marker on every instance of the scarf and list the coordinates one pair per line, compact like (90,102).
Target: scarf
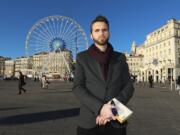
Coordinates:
(103,58)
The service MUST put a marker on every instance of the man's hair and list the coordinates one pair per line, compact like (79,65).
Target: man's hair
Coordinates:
(99,18)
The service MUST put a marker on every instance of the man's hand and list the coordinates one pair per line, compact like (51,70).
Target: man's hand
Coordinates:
(101,121)
(106,112)
(105,115)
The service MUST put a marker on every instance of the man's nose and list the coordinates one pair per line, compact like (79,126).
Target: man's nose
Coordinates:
(102,32)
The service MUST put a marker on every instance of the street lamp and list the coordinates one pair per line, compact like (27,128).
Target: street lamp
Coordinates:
(155,63)
(171,73)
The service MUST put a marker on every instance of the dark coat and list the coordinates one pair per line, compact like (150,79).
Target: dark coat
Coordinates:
(150,78)
(93,91)
(21,81)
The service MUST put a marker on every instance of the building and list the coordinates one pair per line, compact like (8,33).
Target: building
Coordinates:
(23,64)
(2,59)
(135,60)
(161,53)
(58,63)
(38,61)
(2,65)
(135,65)
(55,64)
(9,68)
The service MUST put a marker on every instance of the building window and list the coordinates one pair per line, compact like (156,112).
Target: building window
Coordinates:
(169,33)
(179,60)
(178,33)
(176,40)
(179,50)
(169,51)
(176,25)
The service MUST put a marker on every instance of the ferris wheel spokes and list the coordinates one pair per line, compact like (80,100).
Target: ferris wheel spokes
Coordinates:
(53,35)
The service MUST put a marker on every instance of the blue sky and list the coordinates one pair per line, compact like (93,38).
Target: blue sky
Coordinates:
(130,20)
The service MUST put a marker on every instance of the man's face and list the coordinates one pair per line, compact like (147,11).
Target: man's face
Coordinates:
(100,33)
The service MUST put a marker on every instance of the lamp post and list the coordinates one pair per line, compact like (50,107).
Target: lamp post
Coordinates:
(171,73)
(155,63)
(171,78)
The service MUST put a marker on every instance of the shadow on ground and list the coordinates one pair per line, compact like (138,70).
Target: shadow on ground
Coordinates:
(12,108)
(39,117)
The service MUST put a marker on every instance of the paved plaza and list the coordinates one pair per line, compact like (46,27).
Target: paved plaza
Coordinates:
(54,111)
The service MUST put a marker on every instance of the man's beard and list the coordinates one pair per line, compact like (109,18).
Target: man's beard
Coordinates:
(102,43)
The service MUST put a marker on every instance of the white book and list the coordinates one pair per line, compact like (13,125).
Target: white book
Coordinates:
(123,113)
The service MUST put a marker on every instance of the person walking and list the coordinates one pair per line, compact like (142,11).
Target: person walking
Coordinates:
(101,74)
(21,83)
(178,83)
(44,82)
(150,79)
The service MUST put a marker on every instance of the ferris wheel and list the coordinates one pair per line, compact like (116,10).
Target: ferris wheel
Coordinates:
(55,33)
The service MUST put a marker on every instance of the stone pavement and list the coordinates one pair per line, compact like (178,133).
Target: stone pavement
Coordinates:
(54,111)
(156,112)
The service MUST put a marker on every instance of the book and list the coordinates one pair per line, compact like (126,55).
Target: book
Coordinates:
(120,111)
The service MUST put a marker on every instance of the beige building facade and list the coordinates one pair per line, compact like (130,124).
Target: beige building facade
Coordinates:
(23,64)
(52,63)
(135,65)
(161,53)
(2,60)
(9,68)
(2,65)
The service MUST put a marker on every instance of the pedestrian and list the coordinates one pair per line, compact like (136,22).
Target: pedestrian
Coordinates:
(21,83)
(44,82)
(35,79)
(150,79)
(178,83)
(101,74)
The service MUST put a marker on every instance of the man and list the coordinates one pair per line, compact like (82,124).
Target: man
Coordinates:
(44,82)
(150,79)
(21,83)
(100,75)
(178,83)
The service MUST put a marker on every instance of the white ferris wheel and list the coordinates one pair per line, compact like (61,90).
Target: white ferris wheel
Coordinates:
(55,33)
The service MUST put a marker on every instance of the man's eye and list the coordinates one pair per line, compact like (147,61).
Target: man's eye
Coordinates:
(104,30)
